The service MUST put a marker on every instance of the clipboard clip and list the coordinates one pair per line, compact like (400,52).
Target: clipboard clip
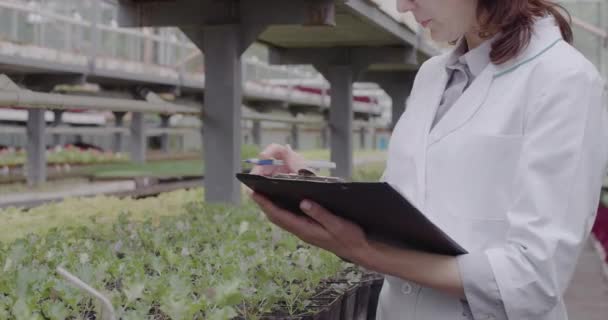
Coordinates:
(307,175)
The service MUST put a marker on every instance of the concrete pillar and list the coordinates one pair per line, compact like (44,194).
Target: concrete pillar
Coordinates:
(398,85)
(95,35)
(137,142)
(374,138)
(222,113)
(164,137)
(36,147)
(117,144)
(148,52)
(325,137)
(57,121)
(362,137)
(256,132)
(14,25)
(295,136)
(341,119)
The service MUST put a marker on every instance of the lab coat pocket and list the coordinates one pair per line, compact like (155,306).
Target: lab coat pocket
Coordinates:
(479,173)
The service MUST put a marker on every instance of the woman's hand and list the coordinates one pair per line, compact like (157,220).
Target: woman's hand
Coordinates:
(320,228)
(293,161)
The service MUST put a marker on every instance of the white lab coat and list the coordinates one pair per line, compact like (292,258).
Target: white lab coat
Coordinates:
(512,172)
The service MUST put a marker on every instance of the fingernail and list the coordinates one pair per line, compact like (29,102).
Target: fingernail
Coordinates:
(305,205)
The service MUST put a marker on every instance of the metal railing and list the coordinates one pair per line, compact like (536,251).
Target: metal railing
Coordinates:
(30,23)
(87,40)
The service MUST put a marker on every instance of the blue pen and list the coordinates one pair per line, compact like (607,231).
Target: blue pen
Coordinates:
(308,163)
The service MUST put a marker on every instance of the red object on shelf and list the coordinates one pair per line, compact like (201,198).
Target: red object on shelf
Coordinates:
(600,228)
(319,91)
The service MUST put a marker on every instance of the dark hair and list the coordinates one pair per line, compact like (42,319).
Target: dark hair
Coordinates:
(515,20)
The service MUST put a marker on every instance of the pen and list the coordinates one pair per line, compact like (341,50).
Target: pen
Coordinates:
(317,164)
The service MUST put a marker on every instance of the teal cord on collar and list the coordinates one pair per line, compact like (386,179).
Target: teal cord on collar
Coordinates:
(502,73)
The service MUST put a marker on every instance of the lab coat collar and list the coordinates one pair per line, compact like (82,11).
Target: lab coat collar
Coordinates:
(546,34)
(476,59)
(464,108)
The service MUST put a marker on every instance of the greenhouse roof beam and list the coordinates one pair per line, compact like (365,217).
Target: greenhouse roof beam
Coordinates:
(224,29)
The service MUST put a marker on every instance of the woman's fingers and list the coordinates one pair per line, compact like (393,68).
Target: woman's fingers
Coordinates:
(328,220)
(275,151)
(257,170)
(303,227)
(292,160)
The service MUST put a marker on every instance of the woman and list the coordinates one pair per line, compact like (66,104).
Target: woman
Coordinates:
(503,145)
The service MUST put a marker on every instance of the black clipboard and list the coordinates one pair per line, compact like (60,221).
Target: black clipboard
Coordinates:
(383,213)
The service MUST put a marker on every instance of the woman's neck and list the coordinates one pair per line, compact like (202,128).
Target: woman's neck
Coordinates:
(473,40)
(472,37)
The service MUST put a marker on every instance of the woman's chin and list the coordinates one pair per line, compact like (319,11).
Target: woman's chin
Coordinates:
(438,36)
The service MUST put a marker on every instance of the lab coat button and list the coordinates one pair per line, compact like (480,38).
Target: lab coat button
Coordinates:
(406,288)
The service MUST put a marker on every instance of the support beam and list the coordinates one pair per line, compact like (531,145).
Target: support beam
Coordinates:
(362,137)
(374,58)
(341,67)
(374,138)
(295,136)
(46,82)
(325,137)
(164,137)
(222,113)
(95,36)
(256,132)
(36,147)
(57,121)
(117,144)
(341,119)
(223,43)
(194,13)
(397,84)
(137,142)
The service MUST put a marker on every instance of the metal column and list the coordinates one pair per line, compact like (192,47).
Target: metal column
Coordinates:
(164,137)
(325,137)
(57,121)
(398,85)
(137,142)
(256,132)
(117,144)
(95,35)
(362,137)
(341,119)
(36,147)
(374,138)
(222,110)
(295,136)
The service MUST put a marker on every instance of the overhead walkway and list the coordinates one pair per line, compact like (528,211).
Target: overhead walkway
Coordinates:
(38,63)
(40,49)
(346,41)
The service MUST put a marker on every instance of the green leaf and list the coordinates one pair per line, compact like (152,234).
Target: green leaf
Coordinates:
(134,291)
(56,311)
(225,313)
(228,293)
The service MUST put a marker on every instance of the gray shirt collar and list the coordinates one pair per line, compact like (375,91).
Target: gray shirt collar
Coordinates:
(476,60)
